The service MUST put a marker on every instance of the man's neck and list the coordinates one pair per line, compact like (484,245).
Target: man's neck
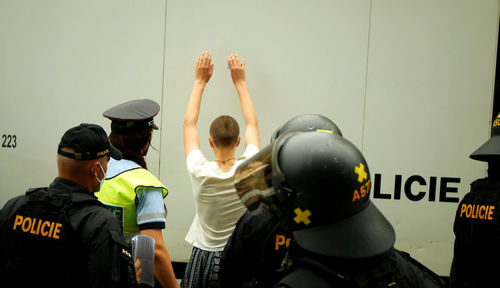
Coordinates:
(77,180)
(494,170)
(224,157)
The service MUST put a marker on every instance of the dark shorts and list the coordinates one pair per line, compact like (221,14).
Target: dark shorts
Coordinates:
(202,271)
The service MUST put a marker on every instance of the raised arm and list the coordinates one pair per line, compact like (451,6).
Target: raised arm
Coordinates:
(247,108)
(203,72)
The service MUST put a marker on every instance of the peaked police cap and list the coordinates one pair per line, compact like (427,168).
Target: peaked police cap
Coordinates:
(132,116)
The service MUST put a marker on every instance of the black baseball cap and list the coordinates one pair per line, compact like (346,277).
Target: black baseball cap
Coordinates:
(132,116)
(89,141)
(490,150)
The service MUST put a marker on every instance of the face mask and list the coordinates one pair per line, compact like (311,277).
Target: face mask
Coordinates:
(100,180)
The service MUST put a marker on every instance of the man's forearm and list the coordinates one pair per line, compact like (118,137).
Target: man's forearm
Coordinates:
(247,107)
(249,114)
(193,107)
(164,271)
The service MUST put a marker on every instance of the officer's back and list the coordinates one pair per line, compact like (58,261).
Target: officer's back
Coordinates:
(477,222)
(61,236)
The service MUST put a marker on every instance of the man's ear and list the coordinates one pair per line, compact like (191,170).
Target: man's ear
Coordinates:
(211,141)
(238,141)
(94,166)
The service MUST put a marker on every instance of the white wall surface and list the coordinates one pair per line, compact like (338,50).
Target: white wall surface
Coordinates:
(409,82)
(300,58)
(65,62)
(428,106)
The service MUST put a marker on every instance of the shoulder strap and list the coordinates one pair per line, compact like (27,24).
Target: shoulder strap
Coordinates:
(31,190)
(82,199)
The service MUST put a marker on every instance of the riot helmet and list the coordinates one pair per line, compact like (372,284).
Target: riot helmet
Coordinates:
(318,184)
(306,123)
(490,150)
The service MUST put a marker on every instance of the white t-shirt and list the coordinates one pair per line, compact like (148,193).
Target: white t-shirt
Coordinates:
(218,207)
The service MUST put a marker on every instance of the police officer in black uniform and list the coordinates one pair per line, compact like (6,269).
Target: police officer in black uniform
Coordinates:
(256,249)
(61,236)
(477,223)
(318,184)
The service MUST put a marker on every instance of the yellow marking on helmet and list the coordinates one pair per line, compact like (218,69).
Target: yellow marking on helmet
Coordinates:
(302,216)
(496,122)
(324,130)
(391,284)
(363,191)
(361,172)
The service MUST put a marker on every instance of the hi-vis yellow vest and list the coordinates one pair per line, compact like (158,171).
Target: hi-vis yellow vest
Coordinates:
(119,192)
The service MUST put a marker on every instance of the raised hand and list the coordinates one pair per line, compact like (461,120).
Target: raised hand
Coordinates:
(237,68)
(204,68)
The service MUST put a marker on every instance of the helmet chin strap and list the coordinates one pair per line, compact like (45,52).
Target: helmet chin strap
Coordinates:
(283,196)
(278,188)
(284,200)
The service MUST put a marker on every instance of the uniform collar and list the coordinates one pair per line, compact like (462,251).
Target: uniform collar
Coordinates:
(65,186)
(486,183)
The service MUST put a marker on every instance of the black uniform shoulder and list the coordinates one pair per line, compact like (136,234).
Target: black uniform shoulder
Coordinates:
(251,230)
(482,190)
(412,273)
(12,204)
(87,215)
(250,255)
(391,269)
(479,209)
(486,183)
(8,210)
(102,234)
(254,227)
(90,216)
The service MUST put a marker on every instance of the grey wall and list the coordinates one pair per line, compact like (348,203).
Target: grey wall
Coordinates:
(408,82)
(428,106)
(301,58)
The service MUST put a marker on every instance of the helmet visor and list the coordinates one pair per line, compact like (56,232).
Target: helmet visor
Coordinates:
(252,181)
